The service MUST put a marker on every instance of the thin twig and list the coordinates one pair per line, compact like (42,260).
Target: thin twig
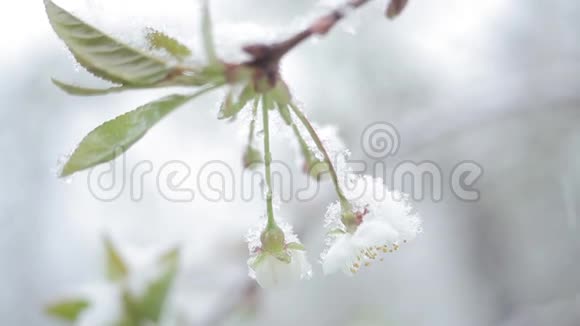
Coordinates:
(266,57)
(321,26)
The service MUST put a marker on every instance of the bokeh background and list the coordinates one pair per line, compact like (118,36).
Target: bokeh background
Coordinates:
(496,82)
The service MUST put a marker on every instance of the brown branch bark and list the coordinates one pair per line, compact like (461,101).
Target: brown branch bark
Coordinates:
(266,57)
(321,26)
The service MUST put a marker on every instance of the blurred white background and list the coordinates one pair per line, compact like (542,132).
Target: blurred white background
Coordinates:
(493,81)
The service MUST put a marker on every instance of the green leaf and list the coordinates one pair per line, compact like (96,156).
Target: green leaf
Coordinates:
(116,136)
(147,309)
(103,55)
(152,304)
(153,301)
(130,311)
(68,310)
(295,246)
(159,40)
(170,258)
(127,320)
(232,105)
(315,167)
(281,94)
(267,101)
(258,260)
(207,33)
(229,107)
(336,232)
(116,267)
(283,256)
(82,91)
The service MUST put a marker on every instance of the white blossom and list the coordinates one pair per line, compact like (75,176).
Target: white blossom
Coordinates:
(272,271)
(270,268)
(383,221)
(105,305)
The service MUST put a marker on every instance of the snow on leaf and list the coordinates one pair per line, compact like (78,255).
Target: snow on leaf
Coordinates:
(103,55)
(84,91)
(116,136)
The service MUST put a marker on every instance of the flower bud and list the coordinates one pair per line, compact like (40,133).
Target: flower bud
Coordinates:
(315,168)
(350,221)
(273,240)
(252,158)
(394,8)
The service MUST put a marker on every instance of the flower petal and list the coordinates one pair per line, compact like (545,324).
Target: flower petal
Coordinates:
(340,256)
(374,233)
(271,271)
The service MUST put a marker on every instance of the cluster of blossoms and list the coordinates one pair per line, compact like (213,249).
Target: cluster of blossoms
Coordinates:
(368,222)
(365,222)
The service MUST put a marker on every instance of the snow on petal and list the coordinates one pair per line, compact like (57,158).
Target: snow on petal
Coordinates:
(301,265)
(386,221)
(267,269)
(271,271)
(340,256)
(374,234)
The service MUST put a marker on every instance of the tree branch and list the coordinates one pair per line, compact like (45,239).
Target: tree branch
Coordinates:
(321,26)
(266,57)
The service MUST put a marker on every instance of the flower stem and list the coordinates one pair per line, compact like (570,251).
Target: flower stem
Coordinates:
(253,122)
(301,141)
(343,201)
(267,161)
